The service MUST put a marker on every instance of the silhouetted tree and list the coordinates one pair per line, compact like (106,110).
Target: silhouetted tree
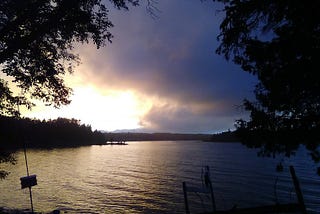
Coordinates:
(279,42)
(61,132)
(36,42)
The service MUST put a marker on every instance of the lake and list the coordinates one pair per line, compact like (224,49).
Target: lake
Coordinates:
(146,177)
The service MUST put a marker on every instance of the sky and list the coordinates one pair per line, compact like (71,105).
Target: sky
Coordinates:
(158,74)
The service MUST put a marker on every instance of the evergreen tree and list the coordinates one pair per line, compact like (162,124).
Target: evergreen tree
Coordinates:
(279,42)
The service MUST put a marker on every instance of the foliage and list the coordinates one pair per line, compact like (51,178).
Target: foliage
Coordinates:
(60,132)
(36,42)
(279,42)
(6,157)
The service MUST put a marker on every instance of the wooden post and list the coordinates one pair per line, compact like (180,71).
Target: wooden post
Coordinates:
(26,160)
(184,186)
(298,190)
(212,198)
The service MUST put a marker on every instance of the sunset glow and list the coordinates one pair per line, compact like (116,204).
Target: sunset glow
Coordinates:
(155,76)
(103,111)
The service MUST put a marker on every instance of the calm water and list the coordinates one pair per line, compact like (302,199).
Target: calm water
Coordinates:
(146,177)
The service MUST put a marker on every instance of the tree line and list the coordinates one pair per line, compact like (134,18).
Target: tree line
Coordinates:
(131,136)
(60,132)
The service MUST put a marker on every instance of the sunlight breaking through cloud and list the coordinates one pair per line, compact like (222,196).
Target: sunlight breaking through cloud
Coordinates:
(157,75)
(110,111)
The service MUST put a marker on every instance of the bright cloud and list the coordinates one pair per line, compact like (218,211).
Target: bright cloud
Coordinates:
(158,74)
(109,111)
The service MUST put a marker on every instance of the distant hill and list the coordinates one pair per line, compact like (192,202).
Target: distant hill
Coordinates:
(130,136)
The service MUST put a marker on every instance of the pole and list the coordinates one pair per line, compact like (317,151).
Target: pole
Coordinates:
(25,157)
(30,193)
(26,160)
(185,197)
(214,208)
(298,190)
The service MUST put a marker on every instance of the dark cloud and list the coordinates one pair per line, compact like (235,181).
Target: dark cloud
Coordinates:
(186,119)
(173,58)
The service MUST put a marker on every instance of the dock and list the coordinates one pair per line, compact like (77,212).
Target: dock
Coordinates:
(297,207)
(116,143)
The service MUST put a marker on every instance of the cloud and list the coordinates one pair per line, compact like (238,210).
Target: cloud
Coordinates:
(171,59)
(186,119)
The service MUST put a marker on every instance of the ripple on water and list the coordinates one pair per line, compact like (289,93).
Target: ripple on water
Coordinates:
(146,177)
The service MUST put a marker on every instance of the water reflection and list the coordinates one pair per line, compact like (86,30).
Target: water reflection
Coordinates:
(146,177)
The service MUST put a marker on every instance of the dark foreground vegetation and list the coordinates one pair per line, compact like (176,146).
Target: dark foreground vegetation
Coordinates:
(61,132)
(278,42)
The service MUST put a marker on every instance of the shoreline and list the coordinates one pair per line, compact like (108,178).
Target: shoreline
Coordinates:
(6,210)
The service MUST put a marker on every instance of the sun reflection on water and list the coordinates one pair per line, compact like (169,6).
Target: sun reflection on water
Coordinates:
(143,177)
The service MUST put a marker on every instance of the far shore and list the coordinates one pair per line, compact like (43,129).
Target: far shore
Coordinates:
(228,136)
